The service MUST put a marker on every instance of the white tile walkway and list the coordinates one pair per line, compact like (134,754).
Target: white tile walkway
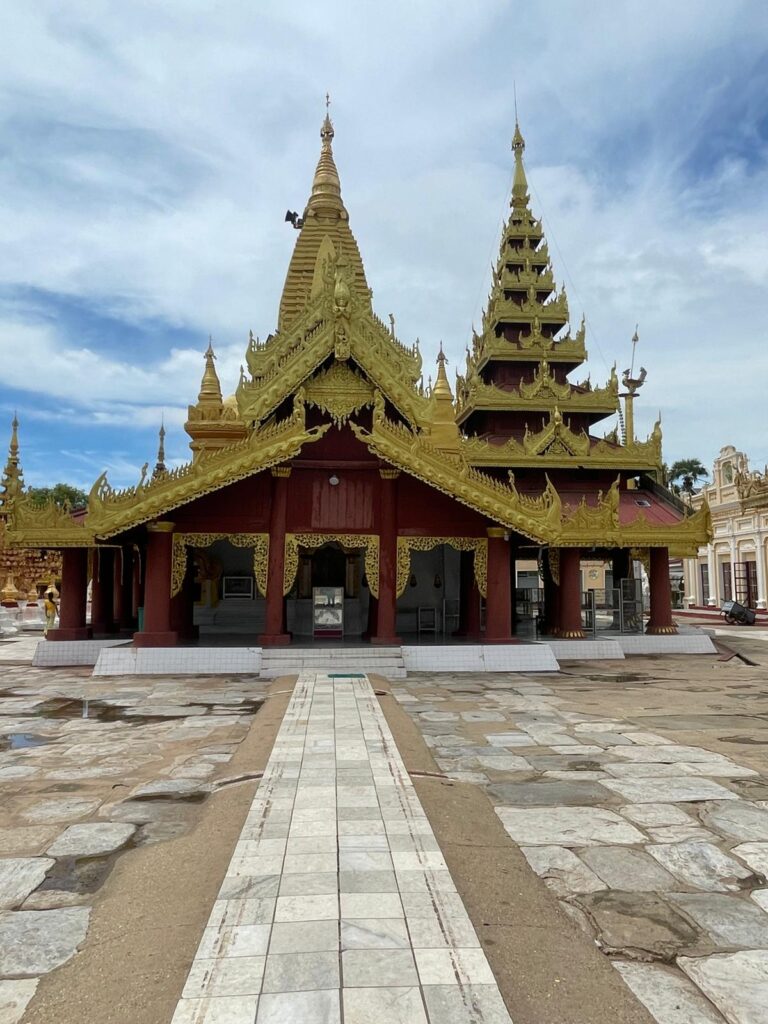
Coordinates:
(337,899)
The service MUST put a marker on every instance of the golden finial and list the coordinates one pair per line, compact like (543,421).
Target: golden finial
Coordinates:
(442,387)
(210,388)
(520,197)
(160,467)
(13,447)
(326,187)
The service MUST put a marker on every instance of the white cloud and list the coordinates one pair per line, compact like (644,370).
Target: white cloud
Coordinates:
(150,152)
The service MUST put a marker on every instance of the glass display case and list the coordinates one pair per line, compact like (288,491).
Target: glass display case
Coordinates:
(328,612)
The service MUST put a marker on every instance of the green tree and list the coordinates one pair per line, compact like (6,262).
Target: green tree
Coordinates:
(688,472)
(61,495)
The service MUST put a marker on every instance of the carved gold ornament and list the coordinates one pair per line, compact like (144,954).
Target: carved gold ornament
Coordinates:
(258,541)
(553,557)
(348,541)
(339,392)
(405,545)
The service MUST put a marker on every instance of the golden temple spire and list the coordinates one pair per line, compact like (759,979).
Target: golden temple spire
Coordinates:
(324,232)
(12,480)
(160,466)
(442,387)
(326,186)
(444,433)
(210,388)
(520,197)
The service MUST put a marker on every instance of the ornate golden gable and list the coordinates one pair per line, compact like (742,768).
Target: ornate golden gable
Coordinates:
(340,392)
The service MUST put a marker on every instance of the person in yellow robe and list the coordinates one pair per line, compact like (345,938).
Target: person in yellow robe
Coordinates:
(50,611)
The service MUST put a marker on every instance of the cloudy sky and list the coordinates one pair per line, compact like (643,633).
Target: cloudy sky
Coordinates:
(148,153)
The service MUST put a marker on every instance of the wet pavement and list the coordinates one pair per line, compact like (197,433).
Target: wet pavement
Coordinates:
(89,770)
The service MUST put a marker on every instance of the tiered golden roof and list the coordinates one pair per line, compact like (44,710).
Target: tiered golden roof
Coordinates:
(332,353)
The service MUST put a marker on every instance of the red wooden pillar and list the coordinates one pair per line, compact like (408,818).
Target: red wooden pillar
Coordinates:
(551,597)
(469,598)
(660,620)
(274,625)
(74,593)
(370,628)
(157,630)
(513,586)
(386,606)
(124,590)
(103,591)
(498,601)
(137,595)
(183,605)
(570,594)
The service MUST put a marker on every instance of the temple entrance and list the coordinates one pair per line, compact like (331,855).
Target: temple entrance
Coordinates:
(329,567)
(428,607)
(330,596)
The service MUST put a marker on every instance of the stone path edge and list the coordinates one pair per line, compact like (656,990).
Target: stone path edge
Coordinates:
(148,920)
(546,968)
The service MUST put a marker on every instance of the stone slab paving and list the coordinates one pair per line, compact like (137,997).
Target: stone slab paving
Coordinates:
(656,844)
(88,769)
(337,904)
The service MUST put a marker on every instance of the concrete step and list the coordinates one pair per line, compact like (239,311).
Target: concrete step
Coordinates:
(387,661)
(324,653)
(390,672)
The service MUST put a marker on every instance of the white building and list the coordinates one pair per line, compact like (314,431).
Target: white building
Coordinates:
(735,565)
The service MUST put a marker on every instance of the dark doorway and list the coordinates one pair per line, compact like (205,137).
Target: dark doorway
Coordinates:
(329,567)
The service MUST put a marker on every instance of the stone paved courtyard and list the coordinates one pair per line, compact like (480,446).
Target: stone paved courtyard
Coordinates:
(637,793)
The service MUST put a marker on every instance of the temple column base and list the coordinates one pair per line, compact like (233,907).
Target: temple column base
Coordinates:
(386,641)
(571,634)
(274,639)
(104,629)
(69,633)
(500,640)
(166,639)
(660,630)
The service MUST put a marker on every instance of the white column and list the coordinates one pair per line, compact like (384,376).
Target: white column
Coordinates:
(760,558)
(714,582)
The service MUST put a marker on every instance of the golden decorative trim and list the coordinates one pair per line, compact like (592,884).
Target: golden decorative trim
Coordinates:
(111,512)
(281,472)
(497,532)
(388,474)
(396,444)
(348,541)
(258,541)
(339,392)
(405,545)
(544,383)
(553,558)
(261,561)
(571,634)
(661,630)
(474,394)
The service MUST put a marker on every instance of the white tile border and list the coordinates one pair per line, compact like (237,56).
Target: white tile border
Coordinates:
(187,661)
(681,643)
(480,658)
(61,653)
